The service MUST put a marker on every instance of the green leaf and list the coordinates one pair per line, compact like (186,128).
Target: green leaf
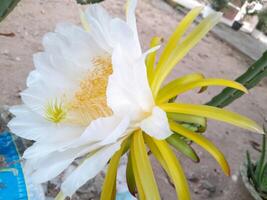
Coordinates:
(251,174)
(178,143)
(260,166)
(264,179)
(6,6)
(88,1)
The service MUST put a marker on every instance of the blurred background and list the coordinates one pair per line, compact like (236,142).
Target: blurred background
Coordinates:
(226,52)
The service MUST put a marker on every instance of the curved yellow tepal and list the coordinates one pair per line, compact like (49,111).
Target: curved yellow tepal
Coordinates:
(203,142)
(151,58)
(179,81)
(130,175)
(178,33)
(143,167)
(178,89)
(60,196)
(213,113)
(110,180)
(172,166)
(182,49)
(201,122)
(156,152)
(141,194)
(84,21)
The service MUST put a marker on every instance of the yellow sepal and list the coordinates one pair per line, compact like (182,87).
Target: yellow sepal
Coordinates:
(204,143)
(172,90)
(130,176)
(177,35)
(213,113)
(199,122)
(180,81)
(142,168)
(151,58)
(109,185)
(60,196)
(84,21)
(182,49)
(171,165)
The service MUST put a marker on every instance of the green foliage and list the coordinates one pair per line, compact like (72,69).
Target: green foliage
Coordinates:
(249,79)
(6,6)
(257,172)
(88,1)
(262,25)
(219,4)
(182,145)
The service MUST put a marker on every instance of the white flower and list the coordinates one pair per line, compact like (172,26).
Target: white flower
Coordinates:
(89,91)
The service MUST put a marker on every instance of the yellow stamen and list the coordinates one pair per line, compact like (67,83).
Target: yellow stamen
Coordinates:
(90,101)
(55,111)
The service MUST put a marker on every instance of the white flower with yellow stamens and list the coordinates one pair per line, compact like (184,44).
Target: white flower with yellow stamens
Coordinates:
(93,88)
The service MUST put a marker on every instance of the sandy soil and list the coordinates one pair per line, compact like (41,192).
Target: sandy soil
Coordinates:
(33,18)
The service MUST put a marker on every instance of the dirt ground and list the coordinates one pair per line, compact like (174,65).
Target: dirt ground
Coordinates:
(33,18)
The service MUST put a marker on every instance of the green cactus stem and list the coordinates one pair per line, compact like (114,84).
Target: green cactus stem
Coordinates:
(88,1)
(6,6)
(255,73)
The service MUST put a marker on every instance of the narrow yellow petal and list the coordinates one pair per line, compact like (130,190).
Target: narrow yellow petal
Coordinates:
(171,165)
(180,81)
(182,49)
(156,152)
(204,143)
(177,35)
(201,122)
(168,92)
(143,167)
(60,196)
(130,176)
(137,178)
(151,58)
(213,113)
(84,21)
(110,180)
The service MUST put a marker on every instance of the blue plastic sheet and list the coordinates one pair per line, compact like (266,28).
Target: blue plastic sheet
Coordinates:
(125,196)
(12,181)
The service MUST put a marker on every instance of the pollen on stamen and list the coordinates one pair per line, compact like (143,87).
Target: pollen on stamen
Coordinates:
(55,111)
(90,101)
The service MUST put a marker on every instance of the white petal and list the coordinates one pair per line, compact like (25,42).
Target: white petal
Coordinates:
(128,90)
(74,45)
(103,131)
(131,20)
(88,169)
(157,124)
(27,124)
(123,35)
(99,21)
(32,126)
(55,139)
(45,168)
(130,13)
(33,78)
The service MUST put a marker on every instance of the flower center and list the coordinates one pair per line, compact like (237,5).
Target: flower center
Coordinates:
(90,101)
(55,111)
